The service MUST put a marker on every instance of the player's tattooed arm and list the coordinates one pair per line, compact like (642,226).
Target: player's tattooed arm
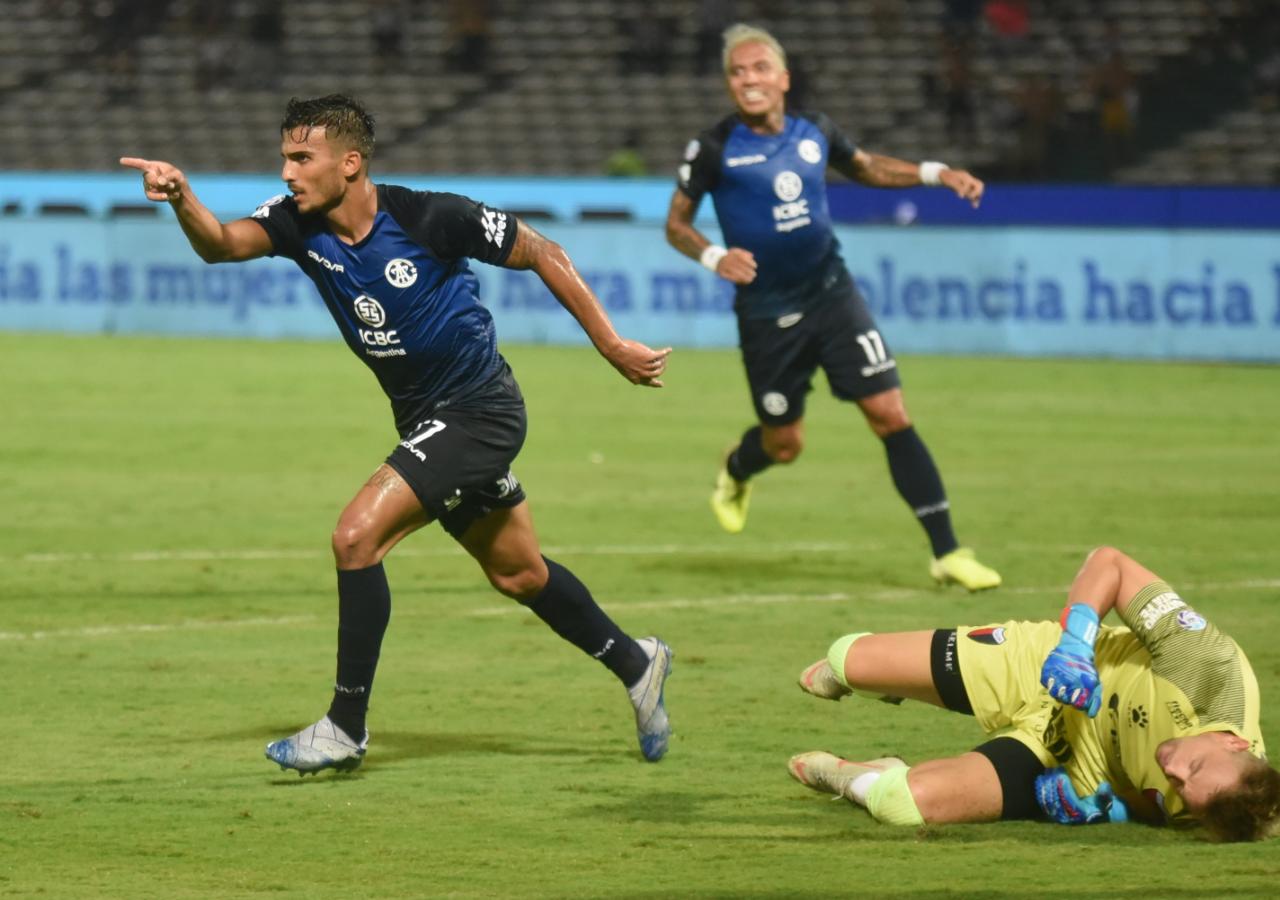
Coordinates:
(875,170)
(736,264)
(681,232)
(637,363)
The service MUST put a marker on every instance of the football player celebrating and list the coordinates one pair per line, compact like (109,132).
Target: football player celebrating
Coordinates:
(390,264)
(796,303)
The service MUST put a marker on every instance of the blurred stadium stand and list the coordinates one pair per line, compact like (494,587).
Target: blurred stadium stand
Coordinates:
(1131,91)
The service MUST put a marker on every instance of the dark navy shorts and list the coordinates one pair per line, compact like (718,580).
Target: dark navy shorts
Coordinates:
(836,333)
(458,462)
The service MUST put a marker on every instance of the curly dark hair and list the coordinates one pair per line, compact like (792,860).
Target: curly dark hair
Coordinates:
(1250,811)
(343,118)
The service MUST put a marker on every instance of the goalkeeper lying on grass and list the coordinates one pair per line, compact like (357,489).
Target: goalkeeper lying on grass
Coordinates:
(1157,722)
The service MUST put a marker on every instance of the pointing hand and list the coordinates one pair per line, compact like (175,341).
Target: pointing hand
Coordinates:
(160,180)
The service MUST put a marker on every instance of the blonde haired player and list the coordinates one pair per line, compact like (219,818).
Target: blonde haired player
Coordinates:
(798,309)
(1157,721)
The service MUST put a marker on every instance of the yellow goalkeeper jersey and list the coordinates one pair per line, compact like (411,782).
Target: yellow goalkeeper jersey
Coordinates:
(1170,674)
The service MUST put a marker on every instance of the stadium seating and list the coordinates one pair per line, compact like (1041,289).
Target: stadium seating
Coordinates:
(559,91)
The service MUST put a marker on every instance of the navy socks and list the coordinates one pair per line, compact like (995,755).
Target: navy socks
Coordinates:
(748,458)
(568,608)
(918,482)
(364,609)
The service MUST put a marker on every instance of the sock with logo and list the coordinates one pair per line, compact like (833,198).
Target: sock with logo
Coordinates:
(918,482)
(748,458)
(364,609)
(566,605)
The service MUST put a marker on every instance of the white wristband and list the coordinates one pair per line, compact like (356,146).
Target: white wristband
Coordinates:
(712,255)
(931,173)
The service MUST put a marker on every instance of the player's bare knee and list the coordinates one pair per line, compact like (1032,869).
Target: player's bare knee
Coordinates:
(521,584)
(353,546)
(884,425)
(784,448)
(1106,557)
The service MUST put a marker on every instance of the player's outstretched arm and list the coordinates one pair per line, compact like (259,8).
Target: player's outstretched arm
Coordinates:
(210,238)
(638,363)
(875,170)
(732,263)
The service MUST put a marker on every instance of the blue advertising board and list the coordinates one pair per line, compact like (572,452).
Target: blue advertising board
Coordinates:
(1141,293)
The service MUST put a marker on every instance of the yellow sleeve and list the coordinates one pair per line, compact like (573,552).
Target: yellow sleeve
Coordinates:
(1194,656)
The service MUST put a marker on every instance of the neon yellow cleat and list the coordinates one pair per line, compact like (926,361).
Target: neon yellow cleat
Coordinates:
(960,567)
(827,772)
(729,501)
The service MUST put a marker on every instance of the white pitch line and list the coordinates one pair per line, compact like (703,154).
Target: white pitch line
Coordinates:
(197,555)
(568,550)
(886,595)
(91,631)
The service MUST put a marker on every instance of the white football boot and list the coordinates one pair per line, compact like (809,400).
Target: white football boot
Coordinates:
(320,746)
(827,772)
(653,729)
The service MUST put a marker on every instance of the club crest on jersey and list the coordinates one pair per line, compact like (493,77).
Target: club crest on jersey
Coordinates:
(809,151)
(774,403)
(988,635)
(370,311)
(401,273)
(1190,620)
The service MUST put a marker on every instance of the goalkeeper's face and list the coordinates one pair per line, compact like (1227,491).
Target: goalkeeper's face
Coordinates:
(1201,766)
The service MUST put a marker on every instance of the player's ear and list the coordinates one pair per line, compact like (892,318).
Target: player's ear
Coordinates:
(786,80)
(352,161)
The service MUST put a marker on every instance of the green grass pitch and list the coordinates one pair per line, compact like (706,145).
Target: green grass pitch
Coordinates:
(168,607)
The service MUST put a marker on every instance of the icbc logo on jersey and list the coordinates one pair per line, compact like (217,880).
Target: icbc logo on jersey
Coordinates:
(370,312)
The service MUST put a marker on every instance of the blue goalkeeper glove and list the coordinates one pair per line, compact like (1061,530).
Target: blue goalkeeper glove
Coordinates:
(1068,672)
(1058,799)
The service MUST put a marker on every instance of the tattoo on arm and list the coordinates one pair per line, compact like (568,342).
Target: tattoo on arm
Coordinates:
(681,233)
(885,171)
(529,247)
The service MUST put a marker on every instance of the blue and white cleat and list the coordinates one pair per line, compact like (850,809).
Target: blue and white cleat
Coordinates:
(320,746)
(653,729)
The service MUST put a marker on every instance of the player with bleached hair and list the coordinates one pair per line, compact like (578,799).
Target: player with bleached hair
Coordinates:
(1155,722)
(797,306)
(391,266)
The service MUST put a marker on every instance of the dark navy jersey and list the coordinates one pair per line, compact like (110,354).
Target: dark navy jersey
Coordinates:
(404,299)
(770,195)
